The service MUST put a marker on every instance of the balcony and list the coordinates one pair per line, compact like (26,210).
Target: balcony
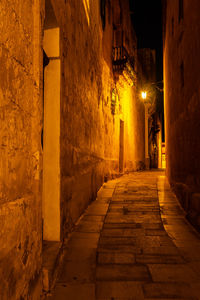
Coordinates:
(124,64)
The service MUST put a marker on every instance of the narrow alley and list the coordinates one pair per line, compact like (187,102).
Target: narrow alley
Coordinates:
(132,243)
(99,149)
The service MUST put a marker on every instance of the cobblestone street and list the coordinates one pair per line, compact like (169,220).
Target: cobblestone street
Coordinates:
(134,243)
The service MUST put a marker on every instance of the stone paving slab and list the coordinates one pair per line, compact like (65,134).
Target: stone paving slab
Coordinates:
(120,248)
(154,241)
(121,232)
(161,250)
(96,218)
(153,226)
(133,209)
(167,290)
(159,259)
(84,240)
(122,225)
(155,232)
(119,218)
(119,290)
(80,254)
(89,226)
(119,272)
(172,273)
(117,241)
(115,258)
(136,200)
(77,272)
(74,292)
(96,211)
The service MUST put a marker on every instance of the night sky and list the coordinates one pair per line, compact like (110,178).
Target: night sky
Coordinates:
(147,21)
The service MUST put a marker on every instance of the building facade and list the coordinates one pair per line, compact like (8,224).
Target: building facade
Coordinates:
(149,84)
(182,100)
(70,119)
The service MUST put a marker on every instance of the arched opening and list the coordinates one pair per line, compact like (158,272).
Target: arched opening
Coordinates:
(51,127)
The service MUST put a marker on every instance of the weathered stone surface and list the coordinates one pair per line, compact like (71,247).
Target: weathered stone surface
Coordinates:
(20,150)
(115,258)
(116,241)
(167,290)
(77,272)
(172,273)
(119,290)
(89,130)
(156,258)
(74,291)
(181,79)
(122,225)
(123,232)
(89,226)
(84,239)
(119,248)
(119,272)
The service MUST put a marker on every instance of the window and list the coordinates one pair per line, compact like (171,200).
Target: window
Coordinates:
(180,10)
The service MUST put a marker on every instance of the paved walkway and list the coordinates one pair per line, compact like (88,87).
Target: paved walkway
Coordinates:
(132,243)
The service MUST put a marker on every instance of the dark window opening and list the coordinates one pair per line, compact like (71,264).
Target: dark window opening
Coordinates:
(180,10)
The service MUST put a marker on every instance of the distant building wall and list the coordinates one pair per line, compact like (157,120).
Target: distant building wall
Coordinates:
(182,100)
(147,59)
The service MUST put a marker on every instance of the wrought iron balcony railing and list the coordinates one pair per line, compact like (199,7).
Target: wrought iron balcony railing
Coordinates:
(121,58)
(123,64)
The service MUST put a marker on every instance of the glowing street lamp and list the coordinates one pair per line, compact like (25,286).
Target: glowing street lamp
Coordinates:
(146,105)
(144,95)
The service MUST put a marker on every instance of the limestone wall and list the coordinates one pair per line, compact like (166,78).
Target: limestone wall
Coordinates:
(89,130)
(182,94)
(20,148)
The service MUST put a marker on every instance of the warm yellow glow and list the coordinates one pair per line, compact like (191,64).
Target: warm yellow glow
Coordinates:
(144,95)
(127,110)
(86,4)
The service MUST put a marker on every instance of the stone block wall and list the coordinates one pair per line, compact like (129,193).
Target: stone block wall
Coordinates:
(20,148)
(89,130)
(182,94)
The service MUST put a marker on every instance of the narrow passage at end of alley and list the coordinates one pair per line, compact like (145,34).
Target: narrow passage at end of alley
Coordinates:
(133,242)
